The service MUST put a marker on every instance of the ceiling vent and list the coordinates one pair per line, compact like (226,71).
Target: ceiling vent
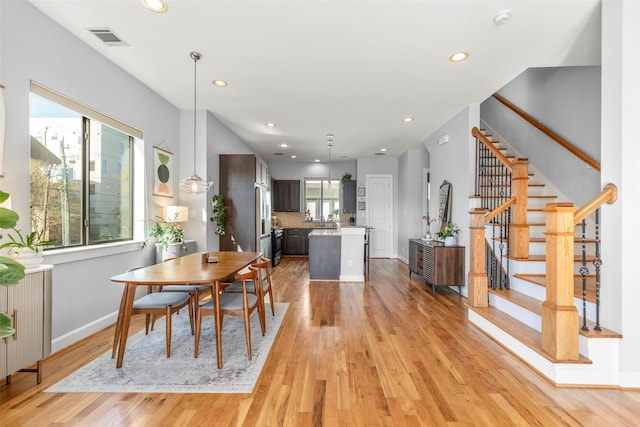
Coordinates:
(278,154)
(108,37)
(379,154)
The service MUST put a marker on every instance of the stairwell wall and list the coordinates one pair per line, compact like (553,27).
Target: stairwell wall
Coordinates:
(566,100)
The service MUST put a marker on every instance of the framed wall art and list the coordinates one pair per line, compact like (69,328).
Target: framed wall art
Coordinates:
(162,172)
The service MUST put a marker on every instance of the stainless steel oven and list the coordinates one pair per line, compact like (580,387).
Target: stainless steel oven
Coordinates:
(277,235)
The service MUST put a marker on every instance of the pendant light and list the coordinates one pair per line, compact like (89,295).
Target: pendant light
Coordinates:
(330,145)
(194,184)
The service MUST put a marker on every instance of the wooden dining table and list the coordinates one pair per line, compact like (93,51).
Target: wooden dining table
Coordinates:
(186,270)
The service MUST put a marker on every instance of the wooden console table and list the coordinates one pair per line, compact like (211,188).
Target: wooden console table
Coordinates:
(437,264)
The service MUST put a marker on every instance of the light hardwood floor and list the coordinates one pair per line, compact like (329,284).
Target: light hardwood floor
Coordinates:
(348,354)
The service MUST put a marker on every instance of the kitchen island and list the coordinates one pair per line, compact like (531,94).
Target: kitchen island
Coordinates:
(337,254)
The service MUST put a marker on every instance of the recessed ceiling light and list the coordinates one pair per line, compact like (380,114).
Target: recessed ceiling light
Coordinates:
(458,56)
(220,83)
(293,156)
(317,160)
(283,145)
(407,119)
(383,150)
(270,125)
(155,5)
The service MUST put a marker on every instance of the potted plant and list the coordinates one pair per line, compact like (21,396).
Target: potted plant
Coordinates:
(219,213)
(448,234)
(26,248)
(165,233)
(11,271)
(345,178)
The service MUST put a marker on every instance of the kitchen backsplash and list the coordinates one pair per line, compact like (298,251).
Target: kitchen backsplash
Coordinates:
(296,220)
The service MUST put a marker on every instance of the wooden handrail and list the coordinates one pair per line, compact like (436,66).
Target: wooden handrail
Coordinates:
(490,215)
(476,132)
(608,195)
(542,128)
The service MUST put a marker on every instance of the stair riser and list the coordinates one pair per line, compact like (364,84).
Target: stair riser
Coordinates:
(525,316)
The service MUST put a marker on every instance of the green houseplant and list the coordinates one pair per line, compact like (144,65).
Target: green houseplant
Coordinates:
(219,213)
(448,233)
(11,271)
(166,232)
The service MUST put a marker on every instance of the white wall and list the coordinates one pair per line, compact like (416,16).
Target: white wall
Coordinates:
(620,154)
(84,298)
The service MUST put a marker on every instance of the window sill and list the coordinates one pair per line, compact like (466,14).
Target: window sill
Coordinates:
(62,256)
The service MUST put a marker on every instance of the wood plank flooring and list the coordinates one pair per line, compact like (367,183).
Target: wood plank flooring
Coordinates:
(384,353)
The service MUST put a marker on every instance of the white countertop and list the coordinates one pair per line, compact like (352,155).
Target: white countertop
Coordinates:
(340,231)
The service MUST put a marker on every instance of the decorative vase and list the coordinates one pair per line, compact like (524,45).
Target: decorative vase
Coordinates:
(450,241)
(27,257)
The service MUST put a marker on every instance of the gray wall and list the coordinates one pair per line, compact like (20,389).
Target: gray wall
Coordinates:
(84,298)
(411,196)
(567,100)
(454,162)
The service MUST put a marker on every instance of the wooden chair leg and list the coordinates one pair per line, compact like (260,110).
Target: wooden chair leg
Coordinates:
(191,317)
(168,331)
(196,346)
(146,324)
(247,331)
(273,311)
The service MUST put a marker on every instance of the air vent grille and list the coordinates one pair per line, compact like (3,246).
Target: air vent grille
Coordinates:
(379,154)
(278,154)
(108,37)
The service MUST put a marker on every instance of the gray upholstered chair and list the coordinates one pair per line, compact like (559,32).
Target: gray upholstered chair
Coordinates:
(196,292)
(232,304)
(264,287)
(157,304)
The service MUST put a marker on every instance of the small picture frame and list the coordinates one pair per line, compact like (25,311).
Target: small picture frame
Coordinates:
(361,191)
(361,206)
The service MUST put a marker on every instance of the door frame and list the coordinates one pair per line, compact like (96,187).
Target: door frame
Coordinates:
(390,230)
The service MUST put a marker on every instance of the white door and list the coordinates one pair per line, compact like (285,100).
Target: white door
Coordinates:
(379,215)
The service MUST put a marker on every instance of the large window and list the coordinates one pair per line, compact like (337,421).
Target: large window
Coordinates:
(80,171)
(322,198)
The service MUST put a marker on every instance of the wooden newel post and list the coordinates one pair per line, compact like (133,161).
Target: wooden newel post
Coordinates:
(519,242)
(477,280)
(559,315)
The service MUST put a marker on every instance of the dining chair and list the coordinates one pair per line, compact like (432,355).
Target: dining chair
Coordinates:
(157,304)
(232,304)
(196,292)
(264,285)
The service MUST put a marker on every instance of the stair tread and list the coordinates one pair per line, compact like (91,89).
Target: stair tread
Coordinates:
(520,299)
(535,306)
(541,280)
(523,333)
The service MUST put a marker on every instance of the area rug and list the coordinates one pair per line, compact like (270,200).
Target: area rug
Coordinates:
(146,368)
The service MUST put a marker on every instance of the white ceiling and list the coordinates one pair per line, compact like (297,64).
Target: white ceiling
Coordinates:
(351,68)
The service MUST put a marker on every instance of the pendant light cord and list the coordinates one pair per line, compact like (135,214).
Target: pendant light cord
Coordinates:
(196,57)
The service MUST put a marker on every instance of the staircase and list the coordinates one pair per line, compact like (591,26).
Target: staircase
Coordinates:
(514,314)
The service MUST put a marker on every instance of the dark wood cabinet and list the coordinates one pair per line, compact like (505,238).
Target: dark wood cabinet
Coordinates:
(437,264)
(296,241)
(239,174)
(349,202)
(286,195)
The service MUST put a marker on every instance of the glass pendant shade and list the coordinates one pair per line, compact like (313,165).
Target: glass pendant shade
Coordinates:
(194,184)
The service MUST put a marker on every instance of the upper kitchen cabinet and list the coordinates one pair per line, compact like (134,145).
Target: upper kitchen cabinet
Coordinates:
(262,174)
(349,197)
(286,195)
